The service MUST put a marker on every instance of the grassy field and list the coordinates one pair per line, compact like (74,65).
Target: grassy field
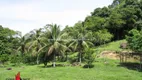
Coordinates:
(101,71)
(113,46)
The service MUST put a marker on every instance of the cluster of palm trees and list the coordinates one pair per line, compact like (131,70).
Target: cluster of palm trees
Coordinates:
(52,41)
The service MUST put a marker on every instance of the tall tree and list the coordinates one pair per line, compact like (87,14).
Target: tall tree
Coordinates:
(56,41)
(81,40)
(115,25)
(23,43)
(6,39)
(36,42)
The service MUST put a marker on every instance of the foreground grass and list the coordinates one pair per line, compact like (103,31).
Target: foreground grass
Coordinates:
(101,71)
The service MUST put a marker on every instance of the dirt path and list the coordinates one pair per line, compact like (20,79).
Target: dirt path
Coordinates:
(109,54)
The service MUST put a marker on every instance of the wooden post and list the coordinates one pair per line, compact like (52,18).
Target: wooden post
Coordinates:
(120,57)
(126,57)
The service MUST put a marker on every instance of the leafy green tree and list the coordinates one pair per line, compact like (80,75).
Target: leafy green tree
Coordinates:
(134,39)
(101,12)
(94,23)
(135,42)
(9,40)
(102,36)
(6,38)
(115,24)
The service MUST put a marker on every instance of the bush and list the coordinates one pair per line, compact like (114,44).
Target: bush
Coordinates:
(29,59)
(4,58)
(16,59)
(89,57)
(88,66)
(73,57)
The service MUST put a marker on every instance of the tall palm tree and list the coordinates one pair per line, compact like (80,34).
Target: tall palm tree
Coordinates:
(36,42)
(56,41)
(82,40)
(23,43)
(71,35)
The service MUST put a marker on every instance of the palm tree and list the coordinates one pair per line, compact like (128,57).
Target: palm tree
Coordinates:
(36,42)
(56,41)
(23,42)
(81,40)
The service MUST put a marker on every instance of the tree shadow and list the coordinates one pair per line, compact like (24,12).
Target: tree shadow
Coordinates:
(131,66)
(88,66)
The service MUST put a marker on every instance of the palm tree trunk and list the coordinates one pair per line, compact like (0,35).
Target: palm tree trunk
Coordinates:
(37,61)
(66,56)
(58,58)
(54,61)
(37,53)
(80,57)
(23,50)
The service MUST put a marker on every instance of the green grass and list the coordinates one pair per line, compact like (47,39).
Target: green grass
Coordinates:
(101,71)
(112,46)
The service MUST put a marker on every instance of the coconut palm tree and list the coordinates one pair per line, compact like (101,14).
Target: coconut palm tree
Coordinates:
(23,43)
(36,42)
(56,41)
(82,40)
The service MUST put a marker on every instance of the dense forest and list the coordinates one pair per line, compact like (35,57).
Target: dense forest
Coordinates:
(120,20)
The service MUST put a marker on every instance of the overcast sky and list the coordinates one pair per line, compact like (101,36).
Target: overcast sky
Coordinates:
(26,15)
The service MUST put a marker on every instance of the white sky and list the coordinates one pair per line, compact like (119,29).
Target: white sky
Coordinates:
(26,15)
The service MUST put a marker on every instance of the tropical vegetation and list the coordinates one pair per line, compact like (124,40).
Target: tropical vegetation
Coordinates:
(77,45)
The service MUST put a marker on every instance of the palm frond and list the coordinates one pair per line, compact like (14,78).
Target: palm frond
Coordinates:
(90,43)
(42,48)
(71,44)
(85,44)
(63,36)
(19,48)
(64,47)
(32,44)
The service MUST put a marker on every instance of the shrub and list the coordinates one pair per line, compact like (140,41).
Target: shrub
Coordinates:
(16,59)
(88,66)
(4,58)
(29,59)
(89,58)
(73,57)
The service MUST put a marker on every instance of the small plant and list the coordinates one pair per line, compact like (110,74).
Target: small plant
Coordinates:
(73,57)
(89,58)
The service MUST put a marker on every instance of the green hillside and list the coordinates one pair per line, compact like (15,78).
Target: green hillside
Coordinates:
(112,46)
